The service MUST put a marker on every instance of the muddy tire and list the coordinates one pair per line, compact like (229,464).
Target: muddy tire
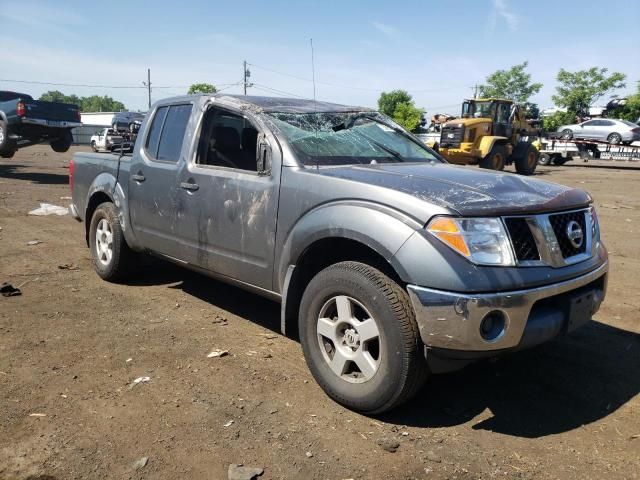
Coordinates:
(496,158)
(527,160)
(110,253)
(360,338)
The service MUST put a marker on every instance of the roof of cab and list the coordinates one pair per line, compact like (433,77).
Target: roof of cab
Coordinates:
(259,104)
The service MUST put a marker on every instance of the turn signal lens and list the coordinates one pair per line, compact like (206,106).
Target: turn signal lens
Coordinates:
(446,229)
(483,241)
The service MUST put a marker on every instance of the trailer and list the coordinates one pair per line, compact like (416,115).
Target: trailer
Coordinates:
(557,151)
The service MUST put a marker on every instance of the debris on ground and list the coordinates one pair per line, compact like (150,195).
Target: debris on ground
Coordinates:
(33,242)
(218,353)
(240,472)
(388,444)
(432,457)
(229,423)
(141,463)
(309,454)
(68,266)
(139,380)
(48,209)
(8,290)
(268,336)
(37,414)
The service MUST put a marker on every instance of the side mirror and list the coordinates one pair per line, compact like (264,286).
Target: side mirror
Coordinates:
(263,156)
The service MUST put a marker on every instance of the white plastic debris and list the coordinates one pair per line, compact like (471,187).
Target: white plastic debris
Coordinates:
(37,414)
(218,353)
(139,380)
(229,423)
(48,209)
(33,242)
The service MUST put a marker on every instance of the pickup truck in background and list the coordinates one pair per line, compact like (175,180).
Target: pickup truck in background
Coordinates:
(108,140)
(389,263)
(127,122)
(25,121)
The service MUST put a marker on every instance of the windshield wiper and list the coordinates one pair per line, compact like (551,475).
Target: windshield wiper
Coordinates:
(390,151)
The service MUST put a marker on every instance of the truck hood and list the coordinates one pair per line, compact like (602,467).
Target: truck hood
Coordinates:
(465,190)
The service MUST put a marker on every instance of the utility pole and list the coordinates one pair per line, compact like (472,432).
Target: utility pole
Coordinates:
(246,76)
(475,91)
(148,85)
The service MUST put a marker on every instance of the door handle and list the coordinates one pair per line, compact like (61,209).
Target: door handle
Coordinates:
(138,177)
(189,186)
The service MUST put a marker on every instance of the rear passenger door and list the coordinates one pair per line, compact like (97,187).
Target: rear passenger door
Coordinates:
(153,178)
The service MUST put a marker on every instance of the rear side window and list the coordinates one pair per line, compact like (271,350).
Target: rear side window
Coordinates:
(173,133)
(153,138)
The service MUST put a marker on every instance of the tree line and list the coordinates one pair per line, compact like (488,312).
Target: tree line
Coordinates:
(575,92)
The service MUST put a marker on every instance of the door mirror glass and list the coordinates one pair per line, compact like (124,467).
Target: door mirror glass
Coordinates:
(263,156)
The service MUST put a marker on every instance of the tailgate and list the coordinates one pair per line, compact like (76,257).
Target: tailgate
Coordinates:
(41,110)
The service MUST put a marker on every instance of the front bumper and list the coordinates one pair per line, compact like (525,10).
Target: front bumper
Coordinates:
(453,321)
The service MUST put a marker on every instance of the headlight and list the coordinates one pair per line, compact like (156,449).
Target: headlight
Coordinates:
(483,241)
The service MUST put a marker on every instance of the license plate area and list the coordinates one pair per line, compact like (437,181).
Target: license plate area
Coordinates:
(580,309)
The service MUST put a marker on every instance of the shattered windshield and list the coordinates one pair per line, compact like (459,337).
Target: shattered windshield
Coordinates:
(348,138)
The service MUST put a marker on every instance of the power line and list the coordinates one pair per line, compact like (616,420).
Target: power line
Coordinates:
(103,86)
(275,90)
(414,90)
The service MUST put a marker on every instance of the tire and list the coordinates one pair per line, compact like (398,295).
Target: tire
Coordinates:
(559,161)
(527,160)
(544,159)
(566,134)
(93,146)
(614,138)
(5,141)
(495,160)
(63,143)
(394,363)
(111,256)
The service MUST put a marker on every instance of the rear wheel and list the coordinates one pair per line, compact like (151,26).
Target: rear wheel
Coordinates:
(495,159)
(360,338)
(558,160)
(527,161)
(62,143)
(544,159)
(93,146)
(614,138)
(110,253)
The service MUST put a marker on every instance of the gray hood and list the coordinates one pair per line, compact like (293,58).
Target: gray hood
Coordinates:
(468,191)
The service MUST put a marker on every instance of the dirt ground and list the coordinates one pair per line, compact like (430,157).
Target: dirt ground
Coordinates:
(71,346)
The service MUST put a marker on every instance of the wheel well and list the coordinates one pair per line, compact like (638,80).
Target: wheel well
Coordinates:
(317,257)
(95,200)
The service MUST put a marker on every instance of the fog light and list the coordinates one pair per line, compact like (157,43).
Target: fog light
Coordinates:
(492,325)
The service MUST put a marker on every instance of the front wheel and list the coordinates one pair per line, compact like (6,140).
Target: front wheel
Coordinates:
(495,159)
(360,338)
(544,159)
(110,253)
(566,134)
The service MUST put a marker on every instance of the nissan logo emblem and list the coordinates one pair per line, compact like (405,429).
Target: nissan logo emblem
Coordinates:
(575,234)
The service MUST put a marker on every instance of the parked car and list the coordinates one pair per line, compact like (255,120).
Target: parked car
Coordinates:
(389,263)
(603,129)
(127,121)
(25,121)
(108,140)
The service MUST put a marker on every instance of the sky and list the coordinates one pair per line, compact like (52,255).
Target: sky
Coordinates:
(436,50)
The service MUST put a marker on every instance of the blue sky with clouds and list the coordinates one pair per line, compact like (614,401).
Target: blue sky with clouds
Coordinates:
(436,50)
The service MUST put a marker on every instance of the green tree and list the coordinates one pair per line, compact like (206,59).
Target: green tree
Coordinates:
(201,88)
(408,115)
(388,102)
(57,96)
(513,84)
(552,122)
(630,110)
(97,103)
(579,90)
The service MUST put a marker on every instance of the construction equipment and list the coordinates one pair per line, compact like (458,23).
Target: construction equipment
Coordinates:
(492,133)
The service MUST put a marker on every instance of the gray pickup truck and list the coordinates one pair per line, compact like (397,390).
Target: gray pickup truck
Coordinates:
(389,263)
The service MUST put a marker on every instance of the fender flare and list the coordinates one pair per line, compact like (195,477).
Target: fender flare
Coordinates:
(487,143)
(105,183)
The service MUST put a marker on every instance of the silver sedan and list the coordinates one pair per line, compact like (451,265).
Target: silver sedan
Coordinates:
(604,129)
